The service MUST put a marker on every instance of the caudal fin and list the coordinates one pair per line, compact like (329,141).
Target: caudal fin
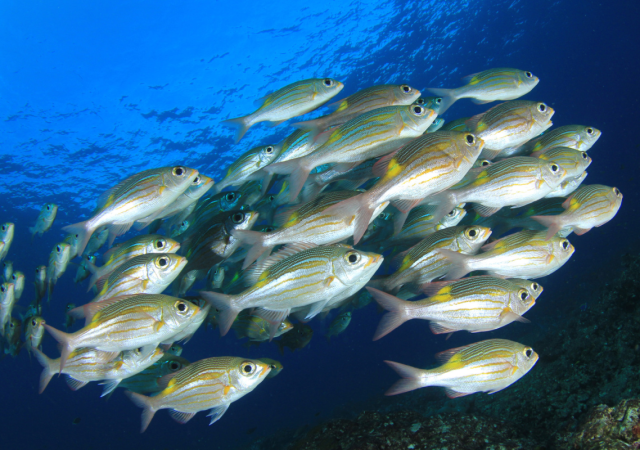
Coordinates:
(551,222)
(298,170)
(146,404)
(228,310)
(65,341)
(48,369)
(240,124)
(256,240)
(412,378)
(397,315)
(84,232)
(448,98)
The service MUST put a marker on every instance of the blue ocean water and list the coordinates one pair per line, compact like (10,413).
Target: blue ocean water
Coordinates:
(92,92)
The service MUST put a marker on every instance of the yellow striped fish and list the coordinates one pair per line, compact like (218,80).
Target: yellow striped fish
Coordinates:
(288,102)
(369,135)
(137,246)
(299,275)
(510,124)
(144,274)
(473,304)
(488,86)
(590,206)
(363,101)
(246,167)
(526,254)
(212,383)
(429,164)
(138,196)
(422,263)
(579,137)
(486,366)
(126,323)
(309,223)
(86,365)
(515,181)
(573,161)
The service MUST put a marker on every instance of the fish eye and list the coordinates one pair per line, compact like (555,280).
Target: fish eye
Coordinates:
(617,192)
(470,139)
(230,197)
(48,208)
(406,89)
(528,352)
(472,233)
(178,171)
(589,131)
(160,243)
(535,286)
(34,323)
(69,307)
(237,217)
(528,74)
(328,82)
(452,213)
(584,155)
(438,100)
(269,150)
(164,261)
(542,107)
(174,365)
(420,101)
(523,294)
(2,288)
(418,110)
(353,257)
(58,249)
(565,244)
(197,180)
(554,168)
(485,163)
(268,229)
(247,368)
(13,277)
(11,325)
(271,198)
(4,228)
(273,366)
(181,306)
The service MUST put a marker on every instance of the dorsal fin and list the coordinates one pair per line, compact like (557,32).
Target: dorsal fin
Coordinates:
(472,122)
(253,273)
(90,309)
(282,216)
(467,79)
(100,282)
(432,288)
(445,356)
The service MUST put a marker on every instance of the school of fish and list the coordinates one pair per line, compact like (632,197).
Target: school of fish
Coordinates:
(380,199)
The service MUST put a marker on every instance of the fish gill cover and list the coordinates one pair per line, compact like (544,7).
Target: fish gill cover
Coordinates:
(94,93)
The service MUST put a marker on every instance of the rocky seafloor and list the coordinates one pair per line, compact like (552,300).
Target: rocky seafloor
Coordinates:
(583,394)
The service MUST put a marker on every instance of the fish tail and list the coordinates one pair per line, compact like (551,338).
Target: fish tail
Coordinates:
(84,231)
(397,315)
(146,404)
(228,310)
(412,378)
(48,369)
(378,283)
(445,202)
(66,344)
(551,222)
(240,124)
(96,274)
(449,97)
(298,170)
(398,221)
(459,261)
(256,240)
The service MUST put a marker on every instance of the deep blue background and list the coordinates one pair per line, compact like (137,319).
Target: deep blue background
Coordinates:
(93,91)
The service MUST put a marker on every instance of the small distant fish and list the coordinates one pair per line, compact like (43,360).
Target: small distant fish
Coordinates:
(298,338)
(58,263)
(367,99)
(590,206)
(83,270)
(69,320)
(175,349)
(7,270)
(34,333)
(97,240)
(150,380)
(45,219)
(436,125)
(247,166)
(339,324)
(421,223)
(211,383)
(136,197)
(257,328)
(276,366)
(217,278)
(488,86)
(288,102)
(7,302)
(18,279)
(6,238)
(40,283)
(12,334)
(486,366)
(434,103)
